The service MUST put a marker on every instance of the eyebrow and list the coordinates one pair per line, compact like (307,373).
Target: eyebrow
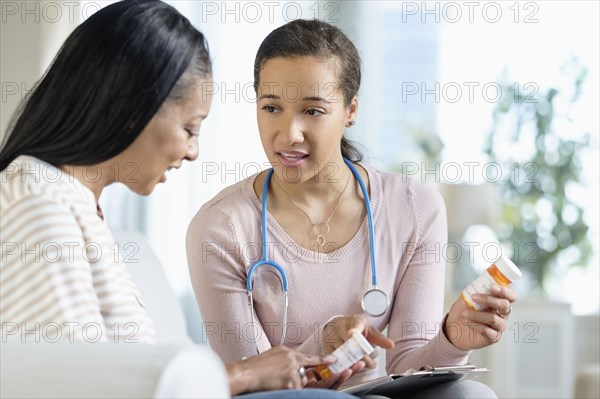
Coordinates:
(310,98)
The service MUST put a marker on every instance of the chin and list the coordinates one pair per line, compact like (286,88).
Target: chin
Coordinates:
(147,191)
(144,190)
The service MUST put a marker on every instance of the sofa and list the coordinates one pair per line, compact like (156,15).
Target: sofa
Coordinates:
(173,368)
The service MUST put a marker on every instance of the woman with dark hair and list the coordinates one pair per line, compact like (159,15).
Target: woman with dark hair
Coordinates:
(317,230)
(122,102)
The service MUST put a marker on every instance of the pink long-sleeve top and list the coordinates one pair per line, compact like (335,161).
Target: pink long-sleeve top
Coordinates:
(224,240)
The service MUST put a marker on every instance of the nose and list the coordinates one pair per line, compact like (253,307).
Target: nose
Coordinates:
(193,150)
(291,132)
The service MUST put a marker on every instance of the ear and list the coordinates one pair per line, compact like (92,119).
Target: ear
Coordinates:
(352,112)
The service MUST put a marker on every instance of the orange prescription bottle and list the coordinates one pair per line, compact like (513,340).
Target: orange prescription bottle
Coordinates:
(502,272)
(346,355)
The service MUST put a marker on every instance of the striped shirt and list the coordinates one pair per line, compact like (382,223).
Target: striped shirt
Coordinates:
(60,273)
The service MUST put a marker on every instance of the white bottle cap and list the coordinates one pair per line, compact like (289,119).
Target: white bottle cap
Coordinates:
(508,268)
(363,343)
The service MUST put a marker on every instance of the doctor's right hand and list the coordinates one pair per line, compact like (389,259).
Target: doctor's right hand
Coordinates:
(341,328)
(277,368)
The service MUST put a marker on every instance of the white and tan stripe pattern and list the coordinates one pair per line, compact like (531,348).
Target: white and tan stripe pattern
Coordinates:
(60,272)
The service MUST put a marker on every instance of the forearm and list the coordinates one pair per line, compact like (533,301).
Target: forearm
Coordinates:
(436,352)
(217,274)
(226,315)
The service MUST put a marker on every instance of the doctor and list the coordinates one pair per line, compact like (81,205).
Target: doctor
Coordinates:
(316,230)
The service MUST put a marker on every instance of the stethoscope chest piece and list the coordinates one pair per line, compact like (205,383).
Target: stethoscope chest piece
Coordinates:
(375,302)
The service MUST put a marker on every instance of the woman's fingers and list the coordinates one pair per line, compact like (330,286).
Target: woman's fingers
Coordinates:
(286,368)
(327,383)
(504,292)
(352,324)
(342,328)
(358,367)
(369,362)
(338,330)
(278,368)
(343,376)
(473,329)
(493,304)
(375,336)
(315,360)
(489,324)
(498,301)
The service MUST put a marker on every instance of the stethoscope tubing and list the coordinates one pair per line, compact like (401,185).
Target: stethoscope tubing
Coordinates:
(365,193)
(265,253)
(284,282)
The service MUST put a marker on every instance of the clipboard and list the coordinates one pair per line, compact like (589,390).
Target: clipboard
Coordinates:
(395,385)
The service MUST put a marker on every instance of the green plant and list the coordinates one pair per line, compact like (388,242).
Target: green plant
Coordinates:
(541,220)
(422,148)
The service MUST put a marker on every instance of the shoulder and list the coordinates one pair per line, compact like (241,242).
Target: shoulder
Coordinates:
(232,206)
(30,180)
(409,201)
(400,187)
(403,190)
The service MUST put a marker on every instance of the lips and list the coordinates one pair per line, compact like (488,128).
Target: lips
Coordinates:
(163,178)
(291,159)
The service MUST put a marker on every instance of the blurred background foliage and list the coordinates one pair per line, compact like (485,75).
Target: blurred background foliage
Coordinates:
(542,221)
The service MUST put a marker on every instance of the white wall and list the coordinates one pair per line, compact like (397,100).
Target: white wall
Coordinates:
(31,34)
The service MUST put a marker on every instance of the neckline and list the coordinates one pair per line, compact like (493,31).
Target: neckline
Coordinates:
(308,255)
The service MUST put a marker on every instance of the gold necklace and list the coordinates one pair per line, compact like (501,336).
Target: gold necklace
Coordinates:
(319,229)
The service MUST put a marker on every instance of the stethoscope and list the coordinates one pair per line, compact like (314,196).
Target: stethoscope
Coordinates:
(374,302)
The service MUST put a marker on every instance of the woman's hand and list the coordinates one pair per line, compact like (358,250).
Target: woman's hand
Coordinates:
(277,368)
(332,382)
(340,329)
(470,329)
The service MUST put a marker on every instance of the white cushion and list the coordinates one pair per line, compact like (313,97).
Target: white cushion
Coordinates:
(158,297)
(108,370)
(194,373)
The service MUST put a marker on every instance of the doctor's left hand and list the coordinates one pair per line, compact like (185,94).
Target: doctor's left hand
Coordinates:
(473,329)
(341,328)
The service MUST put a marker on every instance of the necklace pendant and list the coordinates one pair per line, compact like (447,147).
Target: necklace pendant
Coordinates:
(321,240)
(320,230)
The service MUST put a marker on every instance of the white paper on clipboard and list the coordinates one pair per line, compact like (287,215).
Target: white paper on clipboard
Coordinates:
(395,385)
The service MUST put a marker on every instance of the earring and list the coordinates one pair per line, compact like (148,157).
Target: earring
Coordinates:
(350,123)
